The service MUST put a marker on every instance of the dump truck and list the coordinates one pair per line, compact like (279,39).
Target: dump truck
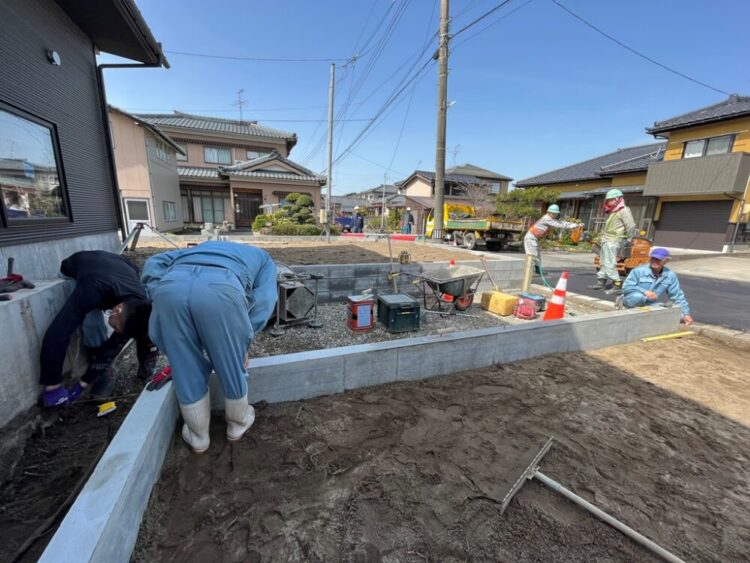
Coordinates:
(463,228)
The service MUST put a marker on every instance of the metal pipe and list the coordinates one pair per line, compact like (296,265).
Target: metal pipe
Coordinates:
(628,531)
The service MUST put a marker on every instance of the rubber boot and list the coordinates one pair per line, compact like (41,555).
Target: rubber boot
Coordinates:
(197,417)
(616,288)
(240,417)
(601,283)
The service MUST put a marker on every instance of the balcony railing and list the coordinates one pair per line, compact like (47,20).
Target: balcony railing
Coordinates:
(718,174)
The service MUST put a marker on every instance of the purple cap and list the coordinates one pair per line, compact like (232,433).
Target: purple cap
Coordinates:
(660,253)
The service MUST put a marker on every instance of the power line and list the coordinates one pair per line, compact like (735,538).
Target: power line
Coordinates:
(489,25)
(257,59)
(480,18)
(638,53)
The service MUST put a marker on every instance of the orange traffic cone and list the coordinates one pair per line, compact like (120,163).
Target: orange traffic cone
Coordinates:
(556,307)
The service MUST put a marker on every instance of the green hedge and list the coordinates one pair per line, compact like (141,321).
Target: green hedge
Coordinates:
(290,229)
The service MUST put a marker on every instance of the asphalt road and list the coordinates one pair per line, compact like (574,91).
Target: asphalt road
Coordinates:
(712,301)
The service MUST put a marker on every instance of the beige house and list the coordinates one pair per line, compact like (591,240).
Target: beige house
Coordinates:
(466,184)
(146,164)
(233,169)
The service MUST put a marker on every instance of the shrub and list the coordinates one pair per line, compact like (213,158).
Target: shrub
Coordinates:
(293,197)
(524,203)
(294,230)
(262,221)
(303,200)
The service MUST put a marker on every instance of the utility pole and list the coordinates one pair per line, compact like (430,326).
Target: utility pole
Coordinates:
(437,232)
(330,154)
(382,207)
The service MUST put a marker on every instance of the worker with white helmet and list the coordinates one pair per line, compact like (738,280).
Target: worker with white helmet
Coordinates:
(618,228)
(541,229)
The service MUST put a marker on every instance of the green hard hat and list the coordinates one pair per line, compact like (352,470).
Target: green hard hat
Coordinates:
(554,208)
(612,194)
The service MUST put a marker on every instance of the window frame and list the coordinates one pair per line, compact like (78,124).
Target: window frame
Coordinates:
(217,149)
(5,223)
(706,140)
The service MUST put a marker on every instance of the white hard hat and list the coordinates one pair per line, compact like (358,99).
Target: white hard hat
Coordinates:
(356,207)
(408,208)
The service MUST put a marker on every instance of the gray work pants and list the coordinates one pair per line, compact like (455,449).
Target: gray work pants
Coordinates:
(608,261)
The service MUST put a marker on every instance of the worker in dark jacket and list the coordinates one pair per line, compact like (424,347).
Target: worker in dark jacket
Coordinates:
(104,282)
(358,221)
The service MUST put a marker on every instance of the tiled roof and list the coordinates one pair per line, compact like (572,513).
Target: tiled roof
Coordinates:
(635,164)
(275,175)
(458,178)
(631,158)
(241,169)
(273,155)
(194,172)
(216,124)
(733,106)
(472,170)
(151,127)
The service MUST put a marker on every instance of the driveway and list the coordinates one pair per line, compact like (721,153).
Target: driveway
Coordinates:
(716,288)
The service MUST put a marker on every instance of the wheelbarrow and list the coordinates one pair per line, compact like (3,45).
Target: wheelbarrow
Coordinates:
(453,286)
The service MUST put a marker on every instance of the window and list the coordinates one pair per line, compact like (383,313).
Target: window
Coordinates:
(217,155)
(170,210)
(178,156)
(252,155)
(495,188)
(30,178)
(162,153)
(708,147)
(719,145)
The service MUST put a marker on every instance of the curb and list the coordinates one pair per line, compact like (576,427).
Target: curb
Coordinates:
(728,336)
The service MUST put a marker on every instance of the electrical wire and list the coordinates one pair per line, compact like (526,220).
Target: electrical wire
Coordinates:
(480,18)
(498,20)
(638,53)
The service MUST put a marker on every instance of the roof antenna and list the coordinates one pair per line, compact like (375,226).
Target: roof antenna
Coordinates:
(240,102)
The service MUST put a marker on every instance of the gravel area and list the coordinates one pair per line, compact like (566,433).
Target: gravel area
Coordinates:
(335,333)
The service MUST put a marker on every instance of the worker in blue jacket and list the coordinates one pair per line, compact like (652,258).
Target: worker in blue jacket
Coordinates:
(208,302)
(645,284)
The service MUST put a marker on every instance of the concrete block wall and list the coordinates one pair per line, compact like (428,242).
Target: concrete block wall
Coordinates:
(340,281)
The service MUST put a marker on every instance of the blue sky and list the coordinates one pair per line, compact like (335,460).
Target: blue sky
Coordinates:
(534,91)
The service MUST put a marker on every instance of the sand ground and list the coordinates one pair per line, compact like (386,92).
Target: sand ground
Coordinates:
(654,433)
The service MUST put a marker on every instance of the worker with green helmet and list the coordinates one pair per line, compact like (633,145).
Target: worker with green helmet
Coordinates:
(618,228)
(541,229)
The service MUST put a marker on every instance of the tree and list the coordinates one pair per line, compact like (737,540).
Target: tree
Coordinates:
(480,198)
(525,202)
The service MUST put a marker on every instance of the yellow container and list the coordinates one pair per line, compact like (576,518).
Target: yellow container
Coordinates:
(498,302)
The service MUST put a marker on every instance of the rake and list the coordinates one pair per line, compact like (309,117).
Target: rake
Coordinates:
(532,472)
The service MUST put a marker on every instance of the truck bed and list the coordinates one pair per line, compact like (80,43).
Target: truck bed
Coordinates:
(488,224)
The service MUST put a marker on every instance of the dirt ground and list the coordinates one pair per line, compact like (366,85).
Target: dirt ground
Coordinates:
(56,459)
(654,433)
(299,253)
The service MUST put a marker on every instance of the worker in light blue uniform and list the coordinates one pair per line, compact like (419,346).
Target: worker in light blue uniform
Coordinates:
(647,283)
(208,302)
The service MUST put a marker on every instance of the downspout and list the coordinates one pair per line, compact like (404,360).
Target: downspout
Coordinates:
(108,133)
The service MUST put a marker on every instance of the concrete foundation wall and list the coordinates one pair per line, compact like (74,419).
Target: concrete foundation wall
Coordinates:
(41,260)
(103,523)
(24,320)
